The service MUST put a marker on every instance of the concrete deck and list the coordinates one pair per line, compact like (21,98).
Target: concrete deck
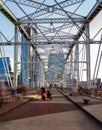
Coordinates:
(94,107)
(55,114)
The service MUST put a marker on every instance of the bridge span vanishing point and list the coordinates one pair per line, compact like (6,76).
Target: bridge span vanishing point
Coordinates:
(51,42)
(54,44)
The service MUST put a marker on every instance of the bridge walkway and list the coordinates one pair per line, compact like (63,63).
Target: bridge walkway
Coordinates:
(59,113)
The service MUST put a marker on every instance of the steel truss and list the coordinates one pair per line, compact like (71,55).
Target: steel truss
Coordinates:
(52,20)
(51,42)
(59,29)
(50,38)
(36,4)
(43,9)
(53,36)
(40,12)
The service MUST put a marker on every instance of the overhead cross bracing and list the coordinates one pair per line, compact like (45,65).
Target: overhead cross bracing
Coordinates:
(56,23)
(52,20)
(52,9)
(56,42)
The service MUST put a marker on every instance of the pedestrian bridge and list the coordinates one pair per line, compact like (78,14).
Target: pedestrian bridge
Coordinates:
(56,42)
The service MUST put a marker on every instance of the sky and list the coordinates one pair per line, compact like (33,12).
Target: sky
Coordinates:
(7,28)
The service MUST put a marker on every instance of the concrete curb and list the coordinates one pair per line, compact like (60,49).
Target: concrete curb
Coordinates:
(85,111)
(81,108)
(14,107)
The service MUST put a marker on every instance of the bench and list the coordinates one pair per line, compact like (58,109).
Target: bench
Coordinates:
(86,100)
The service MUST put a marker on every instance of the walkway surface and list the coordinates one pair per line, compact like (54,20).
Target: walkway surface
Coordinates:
(55,114)
(94,107)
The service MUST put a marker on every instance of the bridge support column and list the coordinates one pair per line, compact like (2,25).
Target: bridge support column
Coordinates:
(16,57)
(88,55)
(71,71)
(76,63)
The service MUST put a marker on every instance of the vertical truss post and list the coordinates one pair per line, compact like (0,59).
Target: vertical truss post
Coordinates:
(76,63)
(16,56)
(71,69)
(68,77)
(88,56)
(42,75)
(28,65)
(28,69)
(33,68)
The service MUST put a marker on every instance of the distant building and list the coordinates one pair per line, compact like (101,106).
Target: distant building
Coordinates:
(23,73)
(97,82)
(29,70)
(5,69)
(55,66)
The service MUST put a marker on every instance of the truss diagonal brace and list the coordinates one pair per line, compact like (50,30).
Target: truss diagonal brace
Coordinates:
(7,12)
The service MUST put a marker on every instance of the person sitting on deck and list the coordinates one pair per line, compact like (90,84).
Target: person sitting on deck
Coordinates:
(49,95)
(43,93)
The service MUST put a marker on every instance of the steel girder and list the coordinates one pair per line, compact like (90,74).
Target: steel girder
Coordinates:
(57,46)
(52,20)
(50,43)
(62,37)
